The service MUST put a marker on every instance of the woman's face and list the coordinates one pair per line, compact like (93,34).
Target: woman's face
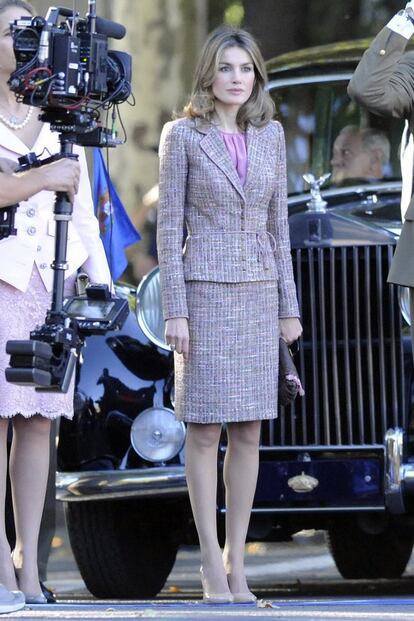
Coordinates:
(7,59)
(234,80)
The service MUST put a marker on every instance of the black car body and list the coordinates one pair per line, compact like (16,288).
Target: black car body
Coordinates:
(339,459)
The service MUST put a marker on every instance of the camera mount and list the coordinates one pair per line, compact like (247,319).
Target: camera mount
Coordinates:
(7,217)
(68,72)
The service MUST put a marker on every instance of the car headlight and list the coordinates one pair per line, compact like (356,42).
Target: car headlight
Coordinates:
(149,310)
(405,304)
(156,435)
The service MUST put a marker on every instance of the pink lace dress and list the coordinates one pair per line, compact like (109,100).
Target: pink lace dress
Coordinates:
(21,312)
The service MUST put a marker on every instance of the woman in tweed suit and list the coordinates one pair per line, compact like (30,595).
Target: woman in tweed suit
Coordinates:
(230,294)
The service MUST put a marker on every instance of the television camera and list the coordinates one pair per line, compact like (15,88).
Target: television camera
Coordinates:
(66,69)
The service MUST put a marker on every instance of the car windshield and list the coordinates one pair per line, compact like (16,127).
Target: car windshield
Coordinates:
(327,132)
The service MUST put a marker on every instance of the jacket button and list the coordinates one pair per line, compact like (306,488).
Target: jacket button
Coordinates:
(31,212)
(43,266)
(31,230)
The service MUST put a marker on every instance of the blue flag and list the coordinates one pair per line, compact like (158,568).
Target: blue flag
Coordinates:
(117,230)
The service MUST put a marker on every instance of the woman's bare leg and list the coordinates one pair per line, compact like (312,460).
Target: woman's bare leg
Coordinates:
(7,576)
(201,471)
(241,466)
(29,466)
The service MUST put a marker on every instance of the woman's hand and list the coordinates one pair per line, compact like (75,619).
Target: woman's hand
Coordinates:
(177,335)
(290,329)
(61,176)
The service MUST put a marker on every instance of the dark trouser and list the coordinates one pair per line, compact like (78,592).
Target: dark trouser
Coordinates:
(47,526)
(412,317)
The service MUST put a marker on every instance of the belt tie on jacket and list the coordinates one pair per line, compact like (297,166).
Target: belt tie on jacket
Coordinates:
(265,243)
(264,253)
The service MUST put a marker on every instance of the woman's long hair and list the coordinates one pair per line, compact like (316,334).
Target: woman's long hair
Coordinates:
(20,4)
(259,108)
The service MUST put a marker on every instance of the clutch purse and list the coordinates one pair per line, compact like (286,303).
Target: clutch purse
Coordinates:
(290,385)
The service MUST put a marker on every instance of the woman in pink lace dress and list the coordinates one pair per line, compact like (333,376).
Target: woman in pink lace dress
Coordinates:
(25,294)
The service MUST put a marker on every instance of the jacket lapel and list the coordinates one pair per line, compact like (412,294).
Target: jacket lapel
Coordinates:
(213,146)
(255,154)
(16,146)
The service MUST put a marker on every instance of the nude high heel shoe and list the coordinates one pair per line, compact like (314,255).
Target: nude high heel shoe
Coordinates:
(214,598)
(244,598)
(31,598)
(247,597)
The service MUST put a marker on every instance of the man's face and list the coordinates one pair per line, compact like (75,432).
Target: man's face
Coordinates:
(350,160)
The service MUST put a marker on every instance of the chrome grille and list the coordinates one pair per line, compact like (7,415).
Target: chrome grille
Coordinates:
(351,357)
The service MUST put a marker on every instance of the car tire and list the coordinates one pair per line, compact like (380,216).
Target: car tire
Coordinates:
(124,549)
(362,555)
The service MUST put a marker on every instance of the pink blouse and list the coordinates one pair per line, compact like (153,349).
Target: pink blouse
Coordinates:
(236,146)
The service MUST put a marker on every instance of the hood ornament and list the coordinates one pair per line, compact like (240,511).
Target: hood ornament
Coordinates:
(303,483)
(316,202)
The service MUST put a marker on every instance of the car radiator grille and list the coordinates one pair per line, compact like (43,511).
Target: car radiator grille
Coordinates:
(351,355)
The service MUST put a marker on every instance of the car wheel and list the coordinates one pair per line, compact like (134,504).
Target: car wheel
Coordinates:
(365,555)
(124,549)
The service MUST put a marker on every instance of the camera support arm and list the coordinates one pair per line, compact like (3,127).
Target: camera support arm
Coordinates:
(63,210)
(48,359)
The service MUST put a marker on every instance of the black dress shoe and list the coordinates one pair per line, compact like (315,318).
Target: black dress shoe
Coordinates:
(50,597)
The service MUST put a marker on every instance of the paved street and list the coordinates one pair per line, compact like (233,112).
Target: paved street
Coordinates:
(394,610)
(294,581)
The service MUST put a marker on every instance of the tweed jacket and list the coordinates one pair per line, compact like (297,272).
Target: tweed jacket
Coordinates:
(35,224)
(235,234)
(384,83)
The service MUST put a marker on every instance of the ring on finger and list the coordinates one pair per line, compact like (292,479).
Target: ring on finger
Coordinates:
(172,346)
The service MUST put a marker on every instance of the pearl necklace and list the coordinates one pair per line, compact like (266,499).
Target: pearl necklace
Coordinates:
(13,123)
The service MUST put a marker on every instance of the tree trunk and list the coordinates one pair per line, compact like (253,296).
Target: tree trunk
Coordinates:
(165,39)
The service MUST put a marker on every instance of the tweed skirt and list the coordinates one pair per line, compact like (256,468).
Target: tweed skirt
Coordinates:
(232,371)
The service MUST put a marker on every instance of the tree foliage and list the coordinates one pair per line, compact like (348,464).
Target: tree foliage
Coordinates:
(285,25)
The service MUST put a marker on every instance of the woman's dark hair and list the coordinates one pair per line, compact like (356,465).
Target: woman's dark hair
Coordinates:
(20,4)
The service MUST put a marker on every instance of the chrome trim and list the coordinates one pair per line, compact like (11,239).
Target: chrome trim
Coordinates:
(384,187)
(322,448)
(345,509)
(405,304)
(118,484)
(334,78)
(395,470)
(399,476)
(143,285)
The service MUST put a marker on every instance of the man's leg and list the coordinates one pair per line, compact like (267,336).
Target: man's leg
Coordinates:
(412,317)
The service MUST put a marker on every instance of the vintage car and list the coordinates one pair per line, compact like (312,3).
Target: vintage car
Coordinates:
(340,459)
